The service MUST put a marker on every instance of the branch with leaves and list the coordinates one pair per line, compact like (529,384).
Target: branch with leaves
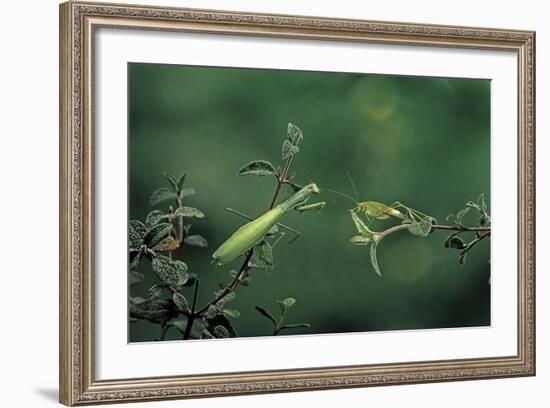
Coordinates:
(164,234)
(419,225)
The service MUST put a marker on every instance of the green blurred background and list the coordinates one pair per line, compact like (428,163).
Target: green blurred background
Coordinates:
(422,141)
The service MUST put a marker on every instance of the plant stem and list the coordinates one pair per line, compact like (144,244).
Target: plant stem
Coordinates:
(457,228)
(180,222)
(460,229)
(280,181)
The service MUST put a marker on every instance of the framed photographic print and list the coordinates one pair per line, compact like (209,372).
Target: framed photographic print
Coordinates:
(261,203)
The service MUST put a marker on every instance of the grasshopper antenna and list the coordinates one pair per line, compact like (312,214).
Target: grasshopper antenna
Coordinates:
(322,190)
(353,185)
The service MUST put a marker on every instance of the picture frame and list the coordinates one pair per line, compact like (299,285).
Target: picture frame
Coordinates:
(79,24)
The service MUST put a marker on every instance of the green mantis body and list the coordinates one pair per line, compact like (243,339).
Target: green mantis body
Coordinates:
(253,232)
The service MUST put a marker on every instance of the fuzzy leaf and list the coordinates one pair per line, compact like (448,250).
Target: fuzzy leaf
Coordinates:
(373,257)
(454,242)
(220,332)
(181,302)
(135,258)
(136,233)
(294,133)
(421,228)
(257,168)
(234,314)
(289,149)
(262,256)
(156,234)
(162,194)
(168,244)
(187,192)
(462,258)
(171,180)
(155,310)
(154,217)
(189,212)
(168,270)
(295,326)
(461,214)
(287,303)
(196,240)
(135,278)
(360,240)
(155,291)
(181,180)
(212,311)
(265,313)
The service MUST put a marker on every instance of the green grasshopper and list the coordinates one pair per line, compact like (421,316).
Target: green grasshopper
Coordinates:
(365,212)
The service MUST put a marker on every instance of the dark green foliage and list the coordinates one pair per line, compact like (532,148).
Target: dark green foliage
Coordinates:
(279,324)
(481,228)
(157,233)
(196,240)
(170,272)
(257,168)
(136,234)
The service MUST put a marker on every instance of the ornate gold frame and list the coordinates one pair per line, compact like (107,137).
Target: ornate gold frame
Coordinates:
(78,20)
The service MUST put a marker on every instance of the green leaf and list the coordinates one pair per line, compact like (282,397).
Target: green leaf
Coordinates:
(156,234)
(227,298)
(481,203)
(155,310)
(360,225)
(168,244)
(180,181)
(287,303)
(155,291)
(454,242)
(154,217)
(171,180)
(289,149)
(462,258)
(162,194)
(189,280)
(262,256)
(295,326)
(137,300)
(373,257)
(136,278)
(212,311)
(167,270)
(257,168)
(294,134)
(234,314)
(181,302)
(182,271)
(265,313)
(473,205)
(135,258)
(187,192)
(136,233)
(461,214)
(451,219)
(360,240)
(421,227)
(196,240)
(220,332)
(189,212)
